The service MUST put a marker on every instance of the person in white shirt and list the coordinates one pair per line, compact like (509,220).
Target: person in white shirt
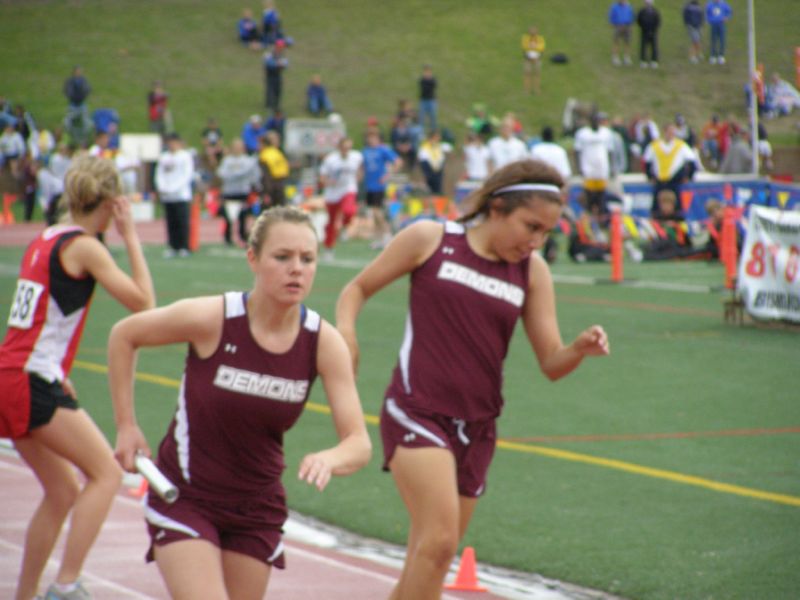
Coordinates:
(476,158)
(551,153)
(174,175)
(593,147)
(505,148)
(240,174)
(340,172)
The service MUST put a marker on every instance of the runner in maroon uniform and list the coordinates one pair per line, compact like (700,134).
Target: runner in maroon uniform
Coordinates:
(38,407)
(252,360)
(470,283)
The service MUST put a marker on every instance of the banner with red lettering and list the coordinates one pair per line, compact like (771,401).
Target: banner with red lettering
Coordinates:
(769,270)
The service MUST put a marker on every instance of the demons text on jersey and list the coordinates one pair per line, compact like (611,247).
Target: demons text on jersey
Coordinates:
(496,288)
(257,384)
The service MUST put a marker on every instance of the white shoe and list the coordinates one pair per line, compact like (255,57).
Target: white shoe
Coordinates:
(643,65)
(627,60)
(183,253)
(653,65)
(693,60)
(615,61)
(713,60)
(170,253)
(721,60)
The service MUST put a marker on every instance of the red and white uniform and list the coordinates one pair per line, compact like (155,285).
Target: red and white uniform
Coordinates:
(224,447)
(462,312)
(48,313)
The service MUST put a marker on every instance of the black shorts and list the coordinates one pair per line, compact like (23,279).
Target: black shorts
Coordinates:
(375,199)
(45,398)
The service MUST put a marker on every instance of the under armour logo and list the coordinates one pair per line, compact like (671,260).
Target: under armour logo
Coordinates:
(161,534)
(230,348)
(409,437)
(448,250)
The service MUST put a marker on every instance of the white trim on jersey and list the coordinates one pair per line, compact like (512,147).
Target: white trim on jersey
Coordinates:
(182,432)
(234,304)
(156,519)
(399,415)
(53,342)
(453,227)
(405,353)
(312,320)
(278,551)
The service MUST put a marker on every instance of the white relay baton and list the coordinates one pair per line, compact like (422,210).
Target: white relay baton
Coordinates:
(156,479)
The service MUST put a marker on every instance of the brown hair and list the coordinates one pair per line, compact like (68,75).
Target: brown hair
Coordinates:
(279,214)
(89,181)
(521,171)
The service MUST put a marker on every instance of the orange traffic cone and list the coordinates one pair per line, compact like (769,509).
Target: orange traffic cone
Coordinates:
(8,214)
(140,491)
(467,576)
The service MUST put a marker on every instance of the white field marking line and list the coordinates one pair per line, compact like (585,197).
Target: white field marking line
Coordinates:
(693,288)
(88,576)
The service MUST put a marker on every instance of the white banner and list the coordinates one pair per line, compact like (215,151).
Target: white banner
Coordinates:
(769,270)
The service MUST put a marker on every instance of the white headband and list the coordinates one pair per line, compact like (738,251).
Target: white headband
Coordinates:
(528,187)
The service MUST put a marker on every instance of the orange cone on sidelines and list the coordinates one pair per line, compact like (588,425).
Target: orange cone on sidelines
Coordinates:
(467,576)
(194,225)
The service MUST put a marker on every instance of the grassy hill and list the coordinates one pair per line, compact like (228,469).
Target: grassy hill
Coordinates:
(370,54)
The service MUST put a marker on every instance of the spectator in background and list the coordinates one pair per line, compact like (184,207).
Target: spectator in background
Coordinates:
(718,13)
(340,172)
(739,157)
(252,132)
(506,148)
(477,158)
(618,126)
(77,90)
(157,110)
(693,19)
(239,175)
(481,121)
(551,153)
(593,148)
(12,149)
(432,157)
(380,162)
(275,170)
(532,49)
(270,24)
(649,21)
(277,122)
(782,98)
(213,145)
(275,62)
(427,100)
(174,174)
(317,101)
(669,163)
(709,142)
(248,30)
(620,16)
(404,142)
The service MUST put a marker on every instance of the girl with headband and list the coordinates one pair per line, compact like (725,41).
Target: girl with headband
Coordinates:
(471,281)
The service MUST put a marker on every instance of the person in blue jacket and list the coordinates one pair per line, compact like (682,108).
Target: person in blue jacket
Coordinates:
(620,16)
(718,13)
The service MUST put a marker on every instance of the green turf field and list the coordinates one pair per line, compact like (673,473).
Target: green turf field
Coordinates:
(668,470)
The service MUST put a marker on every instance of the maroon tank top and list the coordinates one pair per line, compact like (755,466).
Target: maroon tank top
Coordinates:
(462,312)
(226,439)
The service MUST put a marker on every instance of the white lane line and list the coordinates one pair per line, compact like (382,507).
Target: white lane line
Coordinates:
(89,576)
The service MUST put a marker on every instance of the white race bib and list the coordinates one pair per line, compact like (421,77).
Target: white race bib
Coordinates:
(23,307)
